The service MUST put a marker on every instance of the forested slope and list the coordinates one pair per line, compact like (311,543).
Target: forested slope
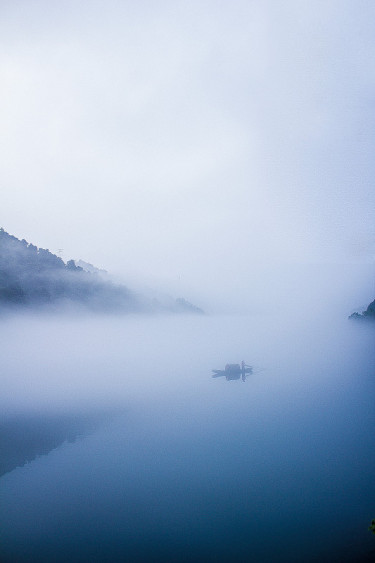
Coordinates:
(31,276)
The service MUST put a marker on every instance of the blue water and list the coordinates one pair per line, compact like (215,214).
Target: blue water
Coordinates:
(183,467)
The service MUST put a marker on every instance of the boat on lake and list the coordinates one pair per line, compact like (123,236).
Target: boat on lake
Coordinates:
(233,371)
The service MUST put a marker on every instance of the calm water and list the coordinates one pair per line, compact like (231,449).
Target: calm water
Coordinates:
(119,446)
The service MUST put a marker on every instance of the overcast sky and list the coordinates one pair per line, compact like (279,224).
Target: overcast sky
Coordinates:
(172,140)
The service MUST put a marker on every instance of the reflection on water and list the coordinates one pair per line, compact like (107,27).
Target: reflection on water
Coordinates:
(27,436)
(279,470)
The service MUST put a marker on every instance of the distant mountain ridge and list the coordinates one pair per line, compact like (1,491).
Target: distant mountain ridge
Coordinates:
(31,276)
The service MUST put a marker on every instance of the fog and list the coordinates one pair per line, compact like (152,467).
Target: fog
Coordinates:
(74,359)
(221,153)
(180,146)
(131,449)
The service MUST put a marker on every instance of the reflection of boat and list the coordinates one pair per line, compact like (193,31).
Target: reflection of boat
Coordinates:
(233,371)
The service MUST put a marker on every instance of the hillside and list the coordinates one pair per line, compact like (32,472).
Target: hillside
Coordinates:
(31,276)
(369,313)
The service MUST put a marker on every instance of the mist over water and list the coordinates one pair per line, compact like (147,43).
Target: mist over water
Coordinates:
(219,152)
(154,460)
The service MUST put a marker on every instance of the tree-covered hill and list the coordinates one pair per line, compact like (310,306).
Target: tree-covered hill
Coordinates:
(31,276)
(369,313)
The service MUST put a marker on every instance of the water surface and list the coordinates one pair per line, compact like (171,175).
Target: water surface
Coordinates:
(139,455)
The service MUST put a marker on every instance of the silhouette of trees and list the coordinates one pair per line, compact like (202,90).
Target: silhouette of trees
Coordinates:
(35,276)
(31,275)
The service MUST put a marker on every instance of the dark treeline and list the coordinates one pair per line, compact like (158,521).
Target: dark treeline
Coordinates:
(368,314)
(31,276)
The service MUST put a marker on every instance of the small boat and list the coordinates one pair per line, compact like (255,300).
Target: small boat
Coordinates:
(233,371)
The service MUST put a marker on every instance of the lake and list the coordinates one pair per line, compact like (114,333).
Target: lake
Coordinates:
(118,445)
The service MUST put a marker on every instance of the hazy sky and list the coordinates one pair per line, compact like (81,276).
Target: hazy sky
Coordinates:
(172,140)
